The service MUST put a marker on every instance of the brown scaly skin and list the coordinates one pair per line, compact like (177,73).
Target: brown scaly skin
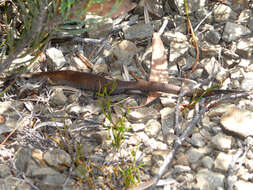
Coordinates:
(93,82)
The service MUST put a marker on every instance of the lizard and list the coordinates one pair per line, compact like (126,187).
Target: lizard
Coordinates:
(97,83)
(94,82)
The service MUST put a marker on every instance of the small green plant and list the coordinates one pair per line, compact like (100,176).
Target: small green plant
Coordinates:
(131,172)
(116,129)
(196,99)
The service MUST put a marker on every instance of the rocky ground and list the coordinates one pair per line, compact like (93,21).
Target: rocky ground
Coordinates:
(64,138)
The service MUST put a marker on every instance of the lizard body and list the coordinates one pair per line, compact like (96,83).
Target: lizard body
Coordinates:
(93,82)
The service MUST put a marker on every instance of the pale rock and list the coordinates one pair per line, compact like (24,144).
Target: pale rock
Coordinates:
(143,114)
(137,127)
(209,50)
(4,171)
(238,121)
(193,6)
(57,158)
(201,14)
(249,165)
(196,140)
(181,169)
(54,182)
(208,180)
(207,162)
(230,34)
(138,31)
(223,13)
(247,82)
(56,57)
(222,142)
(124,49)
(22,157)
(100,68)
(211,65)
(58,98)
(12,182)
(220,110)
(178,50)
(152,128)
(41,172)
(223,161)
(101,28)
(245,47)
(213,36)
(239,185)
(167,120)
(194,155)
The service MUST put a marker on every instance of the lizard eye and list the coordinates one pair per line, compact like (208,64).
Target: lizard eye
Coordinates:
(25,77)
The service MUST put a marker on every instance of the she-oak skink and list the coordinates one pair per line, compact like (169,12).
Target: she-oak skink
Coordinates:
(93,82)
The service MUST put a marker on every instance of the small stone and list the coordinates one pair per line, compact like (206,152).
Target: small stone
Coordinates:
(194,155)
(5,106)
(201,14)
(16,183)
(170,36)
(152,128)
(212,65)
(157,159)
(4,171)
(182,159)
(223,161)
(58,98)
(239,5)
(143,115)
(41,172)
(219,110)
(99,29)
(213,37)
(124,50)
(154,7)
(238,122)
(223,12)
(193,6)
(249,165)
(22,157)
(245,47)
(100,68)
(239,185)
(230,34)
(196,140)
(56,182)
(222,142)
(138,127)
(138,32)
(178,50)
(151,142)
(57,158)
(167,120)
(207,50)
(207,162)
(181,169)
(247,82)
(251,23)
(208,180)
(250,155)
(56,57)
